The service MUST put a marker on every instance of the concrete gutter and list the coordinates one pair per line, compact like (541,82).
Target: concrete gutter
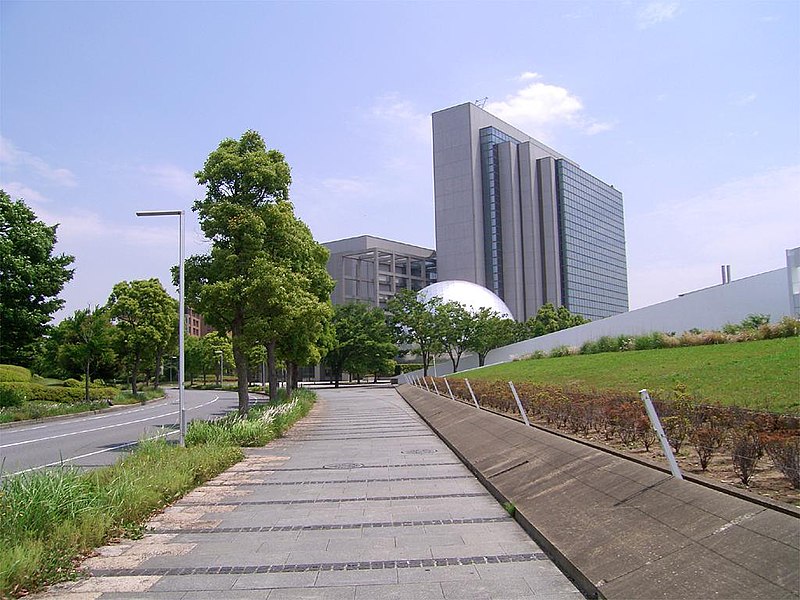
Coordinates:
(620,528)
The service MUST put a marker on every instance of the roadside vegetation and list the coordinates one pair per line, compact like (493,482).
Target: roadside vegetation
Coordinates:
(49,519)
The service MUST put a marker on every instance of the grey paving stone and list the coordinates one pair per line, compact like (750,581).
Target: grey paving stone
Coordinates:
(173,583)
(259,581)
(332,593)
(376,576)
(408,591)
(488,589)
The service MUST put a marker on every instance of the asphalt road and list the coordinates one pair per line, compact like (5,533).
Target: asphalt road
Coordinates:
(101,439)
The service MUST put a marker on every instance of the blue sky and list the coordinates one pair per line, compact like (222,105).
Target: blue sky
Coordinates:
(692,109)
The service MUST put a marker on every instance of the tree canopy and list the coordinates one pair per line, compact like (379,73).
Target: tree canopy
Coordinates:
(414,322)
(145,316)
(362,342)
(264,280)
(31,278)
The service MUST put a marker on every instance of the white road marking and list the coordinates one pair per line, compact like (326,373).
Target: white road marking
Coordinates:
(64,460)
(82,431)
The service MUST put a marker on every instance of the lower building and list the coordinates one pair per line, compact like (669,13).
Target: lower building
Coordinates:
(371,269)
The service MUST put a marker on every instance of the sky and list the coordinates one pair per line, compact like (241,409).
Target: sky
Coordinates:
(691,109)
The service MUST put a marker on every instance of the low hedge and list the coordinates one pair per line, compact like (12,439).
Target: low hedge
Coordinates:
(48,393)
(15,373)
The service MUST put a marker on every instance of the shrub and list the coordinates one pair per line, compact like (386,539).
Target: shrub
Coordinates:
(706,439)
(35,392)
(784,450)
(14,373)
(746,450)
(11,396)
(73,383)
(563,351)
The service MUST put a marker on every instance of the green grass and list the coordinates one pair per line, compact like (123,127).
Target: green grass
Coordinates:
(763,375)
(49,518)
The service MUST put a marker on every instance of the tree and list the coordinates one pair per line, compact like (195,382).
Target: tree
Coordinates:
(214,345)
(414,322)
(490,331)
(263,273)
(31,278)
(145,317)
(362,341)
(85,343)
(549,319)
(456,327)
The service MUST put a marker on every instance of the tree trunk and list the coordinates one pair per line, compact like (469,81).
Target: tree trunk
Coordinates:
(135,373)
(86,382)
(240,358)
(289,379)
(158,369)
(296,376)
(481,359)
(272,374)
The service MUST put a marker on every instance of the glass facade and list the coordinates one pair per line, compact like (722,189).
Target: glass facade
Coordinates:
(593,266)
(373,276)
(492,229)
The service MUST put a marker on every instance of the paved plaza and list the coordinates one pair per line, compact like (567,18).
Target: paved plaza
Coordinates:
(360,500)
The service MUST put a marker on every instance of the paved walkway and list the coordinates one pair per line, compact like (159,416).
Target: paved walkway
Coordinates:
(360,500)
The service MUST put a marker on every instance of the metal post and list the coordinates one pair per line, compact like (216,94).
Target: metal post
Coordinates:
(425,381)
(181,313)
(519,404)
(662,437)
(449,391)
(435,389)
(471,393)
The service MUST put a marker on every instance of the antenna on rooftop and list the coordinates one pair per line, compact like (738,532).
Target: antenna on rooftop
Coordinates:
(482,102)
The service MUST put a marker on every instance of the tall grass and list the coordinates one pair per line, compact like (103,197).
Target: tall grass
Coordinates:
(50,518)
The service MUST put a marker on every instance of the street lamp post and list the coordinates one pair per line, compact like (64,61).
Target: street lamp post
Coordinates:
(181,312)
(219,353)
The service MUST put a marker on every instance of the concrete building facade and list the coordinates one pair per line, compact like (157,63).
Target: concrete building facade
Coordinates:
(523,220)
(371,269)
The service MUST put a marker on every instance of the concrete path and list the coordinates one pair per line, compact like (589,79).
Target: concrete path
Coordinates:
(360,500)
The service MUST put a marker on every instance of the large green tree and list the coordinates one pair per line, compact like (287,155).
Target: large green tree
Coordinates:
(145,316)
(414,322)
(490,331)
(549,319)
(264,265)
(31,278)
(85,344)
(362,342)
(456,327)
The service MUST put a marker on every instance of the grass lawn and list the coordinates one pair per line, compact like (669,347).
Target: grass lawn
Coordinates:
(763,375)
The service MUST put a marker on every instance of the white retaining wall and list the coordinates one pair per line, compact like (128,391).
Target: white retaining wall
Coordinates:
(769,293)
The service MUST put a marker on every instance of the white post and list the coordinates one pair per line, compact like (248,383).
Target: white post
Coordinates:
(519,404)
(471,393)
(435,389)
(425,381)
(662,437)
(449,391)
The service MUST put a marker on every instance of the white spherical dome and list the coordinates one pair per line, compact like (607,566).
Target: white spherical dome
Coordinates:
(473,296)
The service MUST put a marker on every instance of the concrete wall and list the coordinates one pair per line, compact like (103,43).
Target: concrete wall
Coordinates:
(620,528)
(768,293)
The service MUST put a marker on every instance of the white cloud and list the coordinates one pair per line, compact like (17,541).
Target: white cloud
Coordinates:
(655,13)
(744,99)
(400,114)
(13,157)
(746,223)
(539,108)
(174,180)
(528,75)
(18,190)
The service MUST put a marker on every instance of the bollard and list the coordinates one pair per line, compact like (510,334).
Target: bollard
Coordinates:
(662,437)
(471,393)
(449,391)
(519,404)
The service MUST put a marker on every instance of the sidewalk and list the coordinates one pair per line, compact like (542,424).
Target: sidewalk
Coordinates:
(360,500)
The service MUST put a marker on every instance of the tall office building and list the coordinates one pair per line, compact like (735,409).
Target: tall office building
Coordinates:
(523,220)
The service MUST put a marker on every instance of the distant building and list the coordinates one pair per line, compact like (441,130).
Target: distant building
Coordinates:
(371,270)
(195,324)
(524,221)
